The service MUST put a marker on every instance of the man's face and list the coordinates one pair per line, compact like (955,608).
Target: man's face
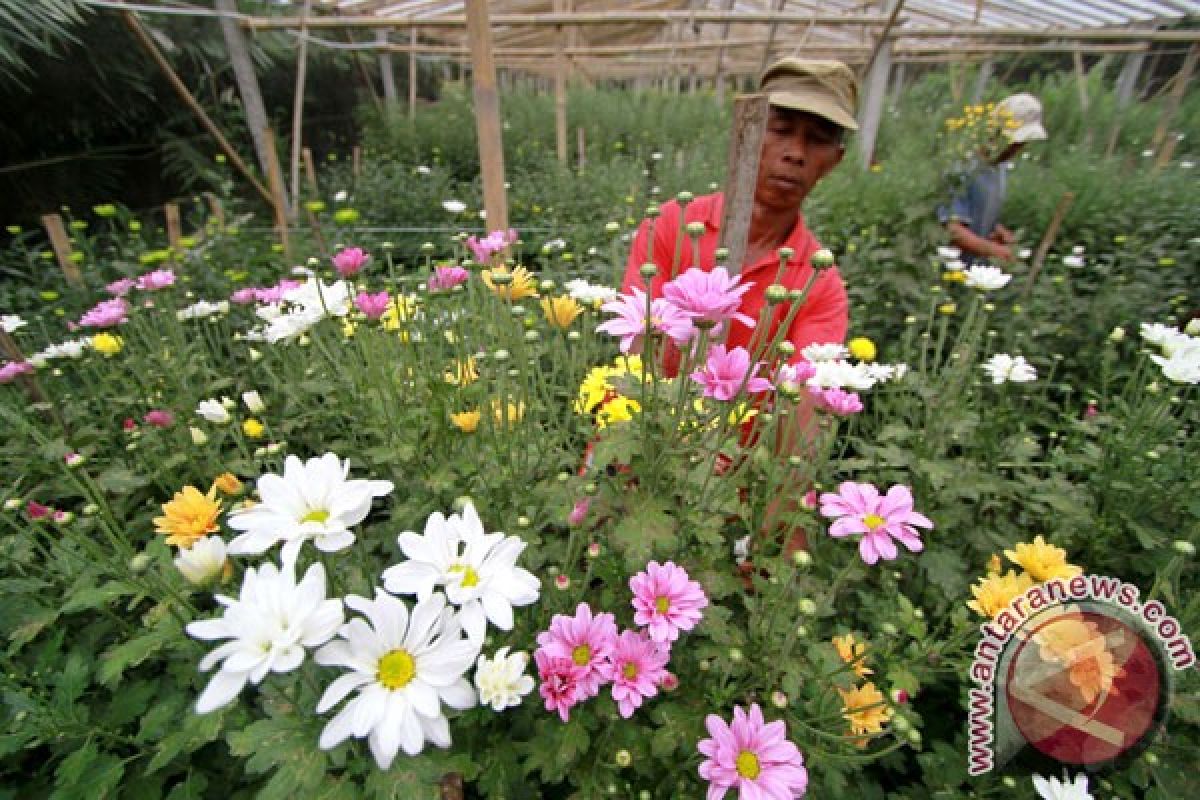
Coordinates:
(798,150)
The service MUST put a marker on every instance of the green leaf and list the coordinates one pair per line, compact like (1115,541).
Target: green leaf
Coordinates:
(87,774)
(120,480)
(71,680)
(287,742)
(116,660)
(947,569)
(194,731)
(90,597)
(644,532)
(37,620)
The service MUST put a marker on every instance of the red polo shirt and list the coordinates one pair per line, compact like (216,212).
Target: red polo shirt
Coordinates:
(822,319)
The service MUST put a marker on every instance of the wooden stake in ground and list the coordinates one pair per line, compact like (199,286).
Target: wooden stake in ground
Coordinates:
(275,175)
(174,228)
(216,209)
(310,170)
(61,244)
(298,110)
(1178,88)
(745,147)
(487,115)
(1039,257)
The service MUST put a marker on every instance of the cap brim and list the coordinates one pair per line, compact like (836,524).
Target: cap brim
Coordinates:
(814,103)
(1033,132)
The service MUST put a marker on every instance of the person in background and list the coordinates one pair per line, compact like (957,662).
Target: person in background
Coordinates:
(973,217)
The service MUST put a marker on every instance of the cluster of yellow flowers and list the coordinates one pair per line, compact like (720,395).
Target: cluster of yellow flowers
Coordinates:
(1039,561)
(864,707)
(600,395)
(980,126)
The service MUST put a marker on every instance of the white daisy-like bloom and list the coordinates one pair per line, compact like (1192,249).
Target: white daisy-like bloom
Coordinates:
(1004,368)
(404,667)
(955,265)
(202,309)
(1166,337)
(1183,364)
(454,206)
(254,402)
(213,411)
(1054,789)
(317,297)
(313,499)
(882,373)
(832,351)
(842,375)
(74,348)
(477,570)
(341,196)
(1072,261)
(269,626)
(1078,250)
(201,563)
(948,253)
(10,322)
(586,292)
(501,681)
(986,278)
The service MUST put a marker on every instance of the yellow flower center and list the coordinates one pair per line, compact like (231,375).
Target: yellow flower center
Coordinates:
(873,521)
(470,576)
(747,765)
(629,671)
(396,669)
(316,515)
(582,655)
(662,604)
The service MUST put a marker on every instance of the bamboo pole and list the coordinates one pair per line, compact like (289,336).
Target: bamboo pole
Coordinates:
(216,210)
(1165,153)
(298,113)
(60,243)
(771,31)
(310,170)
(1178,88)
(148,45)
(745,147)
(487,115)
(174,228)
(247,80)
(574,18)
(385,70)
(275,178)
(718,73)
(10,350)
(881,40)
(1043,248)
(560,91)
(412,74)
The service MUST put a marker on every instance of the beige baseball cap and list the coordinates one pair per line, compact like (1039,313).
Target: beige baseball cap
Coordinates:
(828,89)
(1026,112)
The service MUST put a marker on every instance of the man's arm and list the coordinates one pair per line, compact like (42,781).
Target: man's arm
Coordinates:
(967,241)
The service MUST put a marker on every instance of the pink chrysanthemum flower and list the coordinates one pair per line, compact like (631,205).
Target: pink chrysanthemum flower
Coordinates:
(708,296)
(559,683)
(752,757)
(245,296)
(350,260)
(158,279)
(446,278)
(36,510)
(579,511)
(666,601)
(797,373)
(272,295)
(584,639)
(723,375)
(373,305)
(9,370)
(636,667)
(120,288)
(483,249)
(106,314)
(859,508)
(159,418)
(837,401)
(630,322)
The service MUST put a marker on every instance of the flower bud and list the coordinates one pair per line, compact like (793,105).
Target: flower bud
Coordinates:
(652,212)
(593,550)
(685,197)
(199,437)
(1117,335)
(623,758)
(889,629)
(139,562)
(899,697)
(776,293)
(779,699)
(806,605)
(532,336)
(1184,547)
(500,355)
(802,559)
(562,583)
(786,349)
(91,510)
(427,247)
(694,229)
(461,502)
(822,259)
(736,655)
(1009,782)
(721,254)
(612,227)
(801,631)
(1150,758)
(12,504)
(648,270)
(901,724)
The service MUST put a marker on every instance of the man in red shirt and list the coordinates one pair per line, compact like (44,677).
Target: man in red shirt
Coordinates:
(812,105)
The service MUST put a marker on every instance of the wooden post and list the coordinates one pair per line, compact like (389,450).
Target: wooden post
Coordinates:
(719,68)
(61,244)
(310,169)
(356,160)
(298,111)
(1043,248)
(1178,88)
(385,69)
(1112,139)
(879,67)
(745,147)
(1127,80)
(215,209)
(412,73)
(897,83)
(275,178)
(180,89)
(247,80)
(174,226)
(581,146)
(487,115)
(1165,152)
(560,91)
(981,80)
(771,30)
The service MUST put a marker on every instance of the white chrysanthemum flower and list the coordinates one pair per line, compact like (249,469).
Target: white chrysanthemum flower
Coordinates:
(825,352)
(1072,261)
(948,253)
(586,292)
(454,206)
(477,570)
(254,402)
(311,500)
(213,411)
(202,309)
(1054,789)
(1183,363)
(955,265)
(201,563)
(268,626)
(1193,327)
(501,681)
(842,375)
(317,297)
(10,322)
(74,348)
(404,667)
(1167,337)
(987,278)
(1004,368)
(882,373)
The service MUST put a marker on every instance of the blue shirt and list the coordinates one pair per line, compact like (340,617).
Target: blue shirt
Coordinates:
(978,205)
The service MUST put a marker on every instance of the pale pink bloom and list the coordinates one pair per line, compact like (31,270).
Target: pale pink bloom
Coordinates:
(72,459)
(349,260)
(583,639)
(797,373)
(158,279)
(714,296)
(244,297)
(274,294)
(1090,411)
(106,314)
(483,249)
(752,757)
(579,511)
(669,682)
(837,401)
(120,288)
(859,508)
(373,305)
(11,369)
(446,278)
(722,377)
(666,600)
(159,418)
(630,323)
(636,667)
(559,680)
(809,500)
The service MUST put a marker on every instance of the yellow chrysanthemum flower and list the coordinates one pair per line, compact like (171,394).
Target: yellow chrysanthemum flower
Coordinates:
(462,372)
(852,652)
(947,308)
(227,483)
(994,593)
(107,344)
(516,284)
(1042,561)
(594,389)
(401,309)
(253,428)
(862,348)
(865,709)
(189,516)
(619,409)
(561,311)
(507,413)
(1079,645)
(954,276)
(466,421)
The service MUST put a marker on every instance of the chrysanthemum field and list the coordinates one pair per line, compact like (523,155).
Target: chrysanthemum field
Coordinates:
(414,512)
